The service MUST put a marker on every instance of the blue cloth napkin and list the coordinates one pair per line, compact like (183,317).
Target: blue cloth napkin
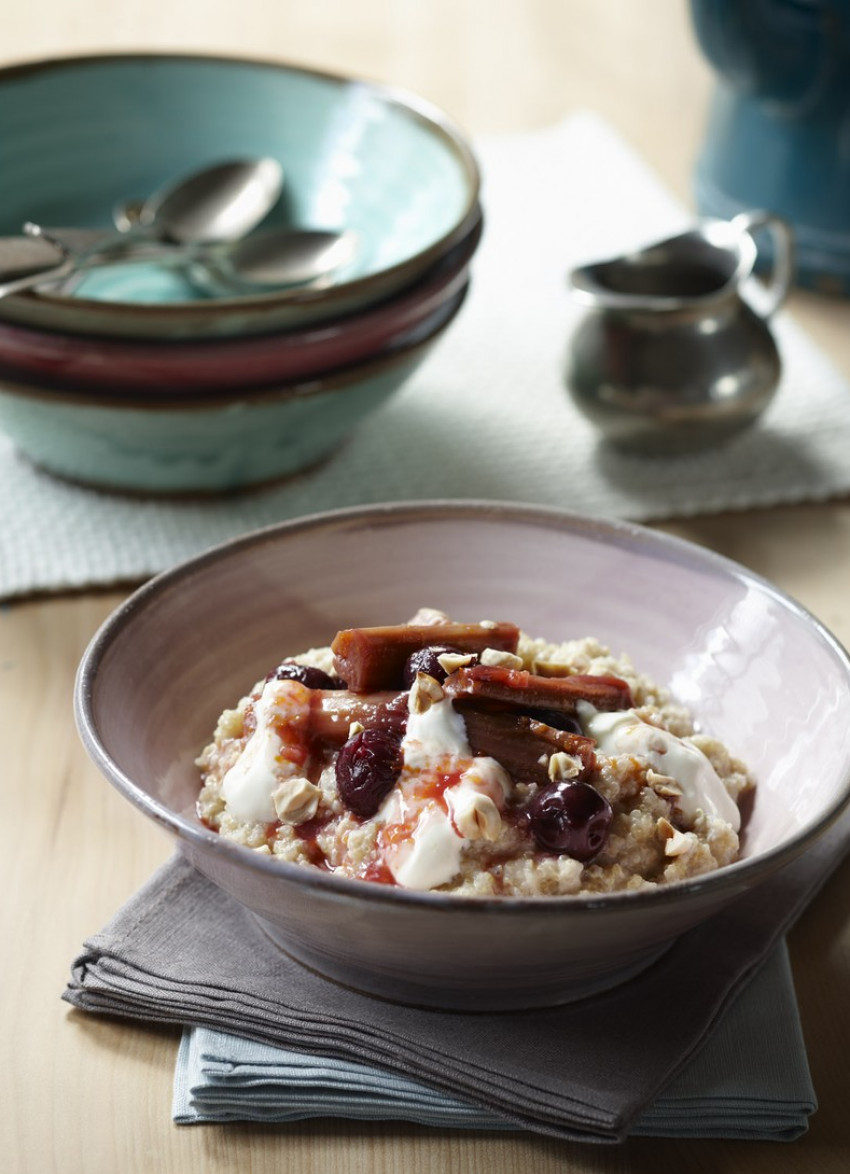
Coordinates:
(750,1080)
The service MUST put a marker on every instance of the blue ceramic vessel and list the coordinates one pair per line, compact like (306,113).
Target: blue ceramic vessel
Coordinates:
(779,125)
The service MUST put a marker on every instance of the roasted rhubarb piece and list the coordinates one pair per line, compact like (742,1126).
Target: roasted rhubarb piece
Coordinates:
(333,710)
(368,659)
(522,745)
(523,690)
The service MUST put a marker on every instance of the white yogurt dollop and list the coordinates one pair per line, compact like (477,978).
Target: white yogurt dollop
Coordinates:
(430,857)
(435,745)
(248,785)
(623,732)
(434,736)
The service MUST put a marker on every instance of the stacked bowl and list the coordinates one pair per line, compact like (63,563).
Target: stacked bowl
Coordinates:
(133,376)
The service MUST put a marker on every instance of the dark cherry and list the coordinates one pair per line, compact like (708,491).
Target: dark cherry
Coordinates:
(556,719)
(570,818)
(313,678)
(367,767)
(426,660)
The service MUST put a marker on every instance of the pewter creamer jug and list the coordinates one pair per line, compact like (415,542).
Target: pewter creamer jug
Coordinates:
(675,352)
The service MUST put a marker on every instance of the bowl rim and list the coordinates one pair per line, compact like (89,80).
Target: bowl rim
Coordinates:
(728,879)
(421,109)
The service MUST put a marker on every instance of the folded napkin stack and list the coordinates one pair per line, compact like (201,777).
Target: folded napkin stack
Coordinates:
(181,952)
(750,1080)
(487,415)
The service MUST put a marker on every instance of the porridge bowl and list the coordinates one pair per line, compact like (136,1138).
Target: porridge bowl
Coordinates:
(169,666)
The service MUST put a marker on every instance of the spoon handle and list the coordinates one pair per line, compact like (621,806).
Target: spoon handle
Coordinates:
(102,246)
(72,251)
(33,280)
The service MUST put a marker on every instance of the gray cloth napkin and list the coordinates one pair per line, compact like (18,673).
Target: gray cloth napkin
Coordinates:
(182,952)
(750,1081)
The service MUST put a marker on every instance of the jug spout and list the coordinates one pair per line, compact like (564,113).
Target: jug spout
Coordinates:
(692,271)
(671,275)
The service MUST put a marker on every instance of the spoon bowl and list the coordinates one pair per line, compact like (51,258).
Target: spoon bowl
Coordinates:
(271,259)
(274,259)
(219,203)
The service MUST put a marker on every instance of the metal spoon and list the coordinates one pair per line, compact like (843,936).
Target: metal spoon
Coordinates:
(269,260)
(63,255)
(218,203)
(274,259)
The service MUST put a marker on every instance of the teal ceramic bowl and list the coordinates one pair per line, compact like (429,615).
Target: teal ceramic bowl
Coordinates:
(81,135)
(203,444)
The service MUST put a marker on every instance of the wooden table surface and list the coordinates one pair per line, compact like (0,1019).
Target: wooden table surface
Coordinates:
(80,1094)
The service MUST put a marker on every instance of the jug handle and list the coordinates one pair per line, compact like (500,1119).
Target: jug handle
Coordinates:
(782,275)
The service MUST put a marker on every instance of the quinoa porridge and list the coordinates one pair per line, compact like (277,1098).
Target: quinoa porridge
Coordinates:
(472,759)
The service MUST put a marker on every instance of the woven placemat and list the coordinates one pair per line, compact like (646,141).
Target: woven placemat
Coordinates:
(486,416)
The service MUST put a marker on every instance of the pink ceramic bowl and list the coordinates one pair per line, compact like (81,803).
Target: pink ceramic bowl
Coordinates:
(132,366)
(190,642)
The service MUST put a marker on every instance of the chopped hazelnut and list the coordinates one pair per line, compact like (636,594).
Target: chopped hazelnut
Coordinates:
(550,668)
(450,662)
(680,843)
(676,843)
(424,693)
(295,800)
(564,766)
(429,615)
(496,657)
(663,785)
(478,818)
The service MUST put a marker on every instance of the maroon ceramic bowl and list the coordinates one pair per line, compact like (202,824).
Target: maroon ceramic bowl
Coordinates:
(140,366)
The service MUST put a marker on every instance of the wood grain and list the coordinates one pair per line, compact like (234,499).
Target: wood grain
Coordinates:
(79,1094)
